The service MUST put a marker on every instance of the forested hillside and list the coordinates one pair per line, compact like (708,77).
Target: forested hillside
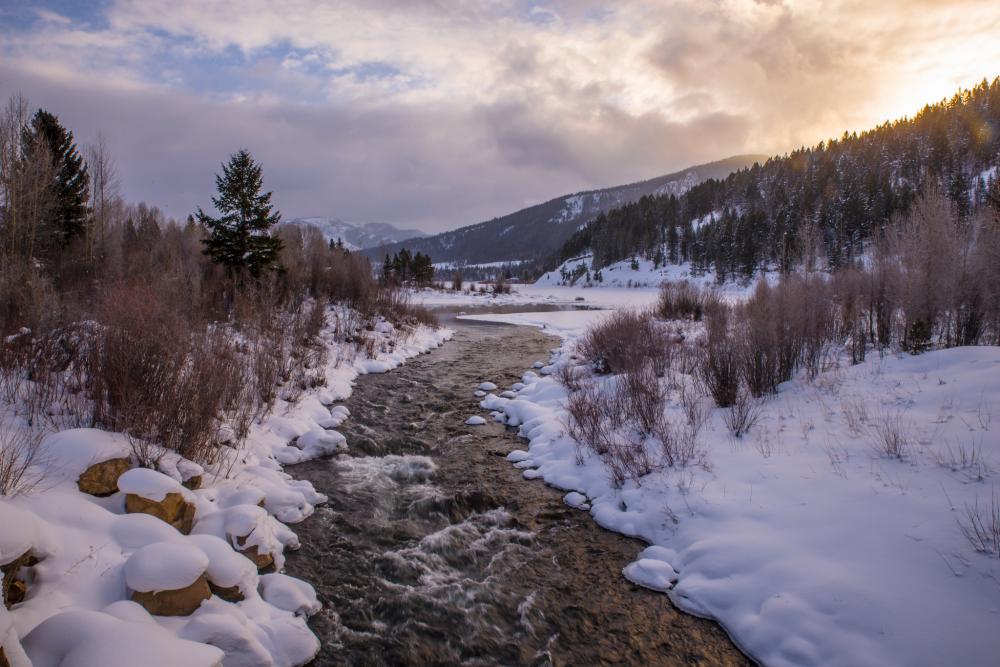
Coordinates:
(535,232)
(814,204)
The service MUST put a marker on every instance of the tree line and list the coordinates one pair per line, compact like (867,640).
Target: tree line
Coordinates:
(814,205)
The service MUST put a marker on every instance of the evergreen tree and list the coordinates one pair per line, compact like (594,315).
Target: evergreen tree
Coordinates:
(240,238)
(71,182)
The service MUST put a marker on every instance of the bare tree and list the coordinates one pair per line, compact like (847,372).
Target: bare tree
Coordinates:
(104,190)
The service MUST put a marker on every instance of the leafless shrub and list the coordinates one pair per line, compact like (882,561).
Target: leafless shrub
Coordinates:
(683,300)
(627,460)
(742,414)
(20,450)
(887,436)
(624,340)
(720,366)
(695,410)
(981,526)
(588,419)
(570,376)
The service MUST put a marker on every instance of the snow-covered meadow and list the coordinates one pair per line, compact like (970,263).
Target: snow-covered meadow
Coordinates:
(92,563)
(804,538)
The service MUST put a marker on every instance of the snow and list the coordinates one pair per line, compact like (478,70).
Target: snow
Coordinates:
(653,573)
(290,594)
(808,545)
(622,276)
(20,533)
(93,554)
(86,638)
(487,386)
(475,420)
(150,484)
(164,566)
(72,451)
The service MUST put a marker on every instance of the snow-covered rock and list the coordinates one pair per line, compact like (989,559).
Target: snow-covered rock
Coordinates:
(475,420)
(165,566)
(290,594)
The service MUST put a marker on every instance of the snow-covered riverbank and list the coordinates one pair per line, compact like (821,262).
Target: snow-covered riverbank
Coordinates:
(92,556)
(803,538)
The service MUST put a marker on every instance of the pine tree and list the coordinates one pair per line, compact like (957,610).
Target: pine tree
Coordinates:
(71,182)
(240,238)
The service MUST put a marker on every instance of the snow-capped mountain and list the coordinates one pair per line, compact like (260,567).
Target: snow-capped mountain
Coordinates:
(357,235)
(537,231)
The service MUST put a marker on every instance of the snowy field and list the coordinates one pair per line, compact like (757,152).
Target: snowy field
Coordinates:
(804,538)
(93,556)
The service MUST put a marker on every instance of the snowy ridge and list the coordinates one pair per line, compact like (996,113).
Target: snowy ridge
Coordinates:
(808,545)
(93,554)
(356,236)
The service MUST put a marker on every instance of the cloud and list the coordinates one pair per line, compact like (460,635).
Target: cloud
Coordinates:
(438,113)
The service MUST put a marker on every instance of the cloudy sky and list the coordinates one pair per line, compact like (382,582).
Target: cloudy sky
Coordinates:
(440,113)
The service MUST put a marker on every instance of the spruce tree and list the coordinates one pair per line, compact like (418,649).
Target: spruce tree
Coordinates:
(70,183)
(240,238)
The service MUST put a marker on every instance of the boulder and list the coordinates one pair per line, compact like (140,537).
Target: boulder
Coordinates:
(227,593)
(193,482)
(180,602)
(101,479)
(15,589)
(263,561)
(173,509)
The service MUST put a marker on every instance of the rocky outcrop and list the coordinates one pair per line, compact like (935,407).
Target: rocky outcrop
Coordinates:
(101,479)
(173,509)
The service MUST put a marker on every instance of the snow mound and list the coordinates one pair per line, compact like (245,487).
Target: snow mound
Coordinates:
(290,594)
(487,386)
(319,442)
(651,573)
(165,566)
(576,500)
(226,568)
(149,484)
(77,449)
(19,533)
(84,638)
(475,420)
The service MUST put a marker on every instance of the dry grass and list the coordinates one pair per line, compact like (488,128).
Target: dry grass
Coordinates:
(20,451)
(887,436)
(980,525)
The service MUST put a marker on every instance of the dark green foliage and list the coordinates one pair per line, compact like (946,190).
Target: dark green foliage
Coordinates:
(404,268)
(825,202)
(70,183)
(240,238)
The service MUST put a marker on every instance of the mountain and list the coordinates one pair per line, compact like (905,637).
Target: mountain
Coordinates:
(823,202)
(357,236)
(537,231)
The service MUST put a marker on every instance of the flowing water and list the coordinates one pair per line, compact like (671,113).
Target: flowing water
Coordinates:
(433,550)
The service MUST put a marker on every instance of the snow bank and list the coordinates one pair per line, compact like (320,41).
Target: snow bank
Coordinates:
(84,638)
(804,540)
(93,554)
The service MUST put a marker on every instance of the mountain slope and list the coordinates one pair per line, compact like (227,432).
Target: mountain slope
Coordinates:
(357,236)
(823,202)
(536,231)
